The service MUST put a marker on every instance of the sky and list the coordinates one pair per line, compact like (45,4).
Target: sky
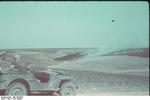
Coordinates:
(74,25)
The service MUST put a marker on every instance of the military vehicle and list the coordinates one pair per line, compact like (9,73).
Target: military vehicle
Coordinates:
(14,81)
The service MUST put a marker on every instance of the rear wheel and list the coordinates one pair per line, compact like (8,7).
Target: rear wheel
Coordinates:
(67,89)
(16,88)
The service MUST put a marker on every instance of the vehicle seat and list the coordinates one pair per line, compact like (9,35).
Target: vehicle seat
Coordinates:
(42,76)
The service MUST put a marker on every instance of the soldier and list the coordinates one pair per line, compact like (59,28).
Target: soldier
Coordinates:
(2,56)
(18,64)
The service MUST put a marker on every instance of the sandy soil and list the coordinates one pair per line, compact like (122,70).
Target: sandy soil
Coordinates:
(110,75)
(118,73)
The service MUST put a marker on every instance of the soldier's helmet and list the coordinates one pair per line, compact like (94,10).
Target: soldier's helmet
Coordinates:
(2,55)
(17,57)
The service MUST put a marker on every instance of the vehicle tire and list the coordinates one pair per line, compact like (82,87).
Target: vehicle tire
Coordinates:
(16,88)
(67,89)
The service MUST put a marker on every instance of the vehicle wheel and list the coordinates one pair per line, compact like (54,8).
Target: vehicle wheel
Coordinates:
(67,89)
(16,89)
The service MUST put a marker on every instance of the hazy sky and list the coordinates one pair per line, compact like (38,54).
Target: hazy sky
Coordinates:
(74,24)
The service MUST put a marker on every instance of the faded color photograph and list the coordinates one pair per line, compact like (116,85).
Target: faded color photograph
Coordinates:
(74,48)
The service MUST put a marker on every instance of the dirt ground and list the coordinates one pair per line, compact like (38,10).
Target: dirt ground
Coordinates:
(115,76)
(118,73)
